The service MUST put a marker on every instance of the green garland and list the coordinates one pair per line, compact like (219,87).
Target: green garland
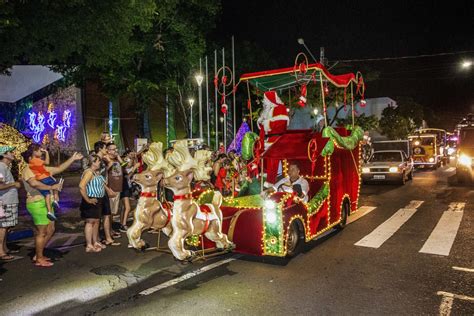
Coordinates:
(348,142)
(250,201)
(318,199)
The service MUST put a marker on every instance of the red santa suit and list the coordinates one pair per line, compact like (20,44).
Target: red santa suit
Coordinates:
(273,122)
(274,119)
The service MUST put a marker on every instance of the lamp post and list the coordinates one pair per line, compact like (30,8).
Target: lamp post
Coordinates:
(466,64)
(301,42)
(191,102)
(199,78)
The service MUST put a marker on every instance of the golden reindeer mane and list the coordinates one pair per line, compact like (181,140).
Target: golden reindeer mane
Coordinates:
(180,158)
(155,161)
(202,172)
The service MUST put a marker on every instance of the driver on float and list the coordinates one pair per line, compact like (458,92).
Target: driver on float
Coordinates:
(293,183)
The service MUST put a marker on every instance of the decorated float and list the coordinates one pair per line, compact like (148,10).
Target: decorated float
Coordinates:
(265,224)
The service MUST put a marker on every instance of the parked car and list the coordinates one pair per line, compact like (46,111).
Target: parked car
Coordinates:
(388,165)
(465,160)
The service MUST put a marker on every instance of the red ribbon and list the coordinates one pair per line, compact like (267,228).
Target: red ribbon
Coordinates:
(216,81)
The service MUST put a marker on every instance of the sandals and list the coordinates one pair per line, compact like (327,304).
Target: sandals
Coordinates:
(45,258)
(100,245)
(44,264)
(93,249)
(6,258)
(111,243)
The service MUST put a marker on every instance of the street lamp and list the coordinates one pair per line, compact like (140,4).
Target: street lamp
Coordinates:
(466,64)
(199,78)
(191,102)
(301,42)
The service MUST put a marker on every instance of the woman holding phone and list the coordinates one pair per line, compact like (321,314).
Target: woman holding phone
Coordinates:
(93,188)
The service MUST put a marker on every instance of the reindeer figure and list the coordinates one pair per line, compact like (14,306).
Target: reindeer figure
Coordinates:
(189,218)
(150,213)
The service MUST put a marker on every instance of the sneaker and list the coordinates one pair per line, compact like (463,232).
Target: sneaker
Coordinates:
(123,228)
(55,205)
(51,217)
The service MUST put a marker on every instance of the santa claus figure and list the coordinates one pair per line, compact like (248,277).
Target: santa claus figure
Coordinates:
(274,119)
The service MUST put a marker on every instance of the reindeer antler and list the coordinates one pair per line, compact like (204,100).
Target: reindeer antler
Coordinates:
(202,172)
(155,161)
(180,158)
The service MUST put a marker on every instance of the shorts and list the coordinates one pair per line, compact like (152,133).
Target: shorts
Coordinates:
(47,181)
(126,189)
(90,210)
(106,206)
(38,211)
(11,216)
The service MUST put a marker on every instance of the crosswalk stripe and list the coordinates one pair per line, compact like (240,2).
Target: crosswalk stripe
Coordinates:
(442,237)
(450,169)
(386,230)
(361,211)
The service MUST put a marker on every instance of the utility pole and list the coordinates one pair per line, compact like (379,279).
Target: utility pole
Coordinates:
(322,60)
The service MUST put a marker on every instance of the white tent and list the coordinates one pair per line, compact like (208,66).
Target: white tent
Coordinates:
(25,80)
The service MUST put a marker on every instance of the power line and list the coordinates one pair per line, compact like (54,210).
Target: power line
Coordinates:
(408,57)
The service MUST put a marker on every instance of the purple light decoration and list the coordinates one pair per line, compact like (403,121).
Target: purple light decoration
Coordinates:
(237,142)
(52,118)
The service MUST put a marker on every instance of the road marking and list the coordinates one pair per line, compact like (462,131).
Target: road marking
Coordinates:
(386,230)
(446,306)
(185,277)
(447,301)
(362,211)
(463,269)
(450,169)
(442,237)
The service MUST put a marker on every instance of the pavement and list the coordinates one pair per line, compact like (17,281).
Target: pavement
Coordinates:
(408,250)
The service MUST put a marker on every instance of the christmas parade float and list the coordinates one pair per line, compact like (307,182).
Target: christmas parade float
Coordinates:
(265,223)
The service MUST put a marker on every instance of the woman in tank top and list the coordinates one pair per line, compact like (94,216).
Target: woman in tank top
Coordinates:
(93,189)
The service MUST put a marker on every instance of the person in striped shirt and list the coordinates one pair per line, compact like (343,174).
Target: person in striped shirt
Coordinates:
(93,188)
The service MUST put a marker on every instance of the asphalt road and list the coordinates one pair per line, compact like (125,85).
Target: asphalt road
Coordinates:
(385,273)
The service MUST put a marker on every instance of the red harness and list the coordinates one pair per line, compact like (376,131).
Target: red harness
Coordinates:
(206,210)
(148,194)
(186,196)
(167,207)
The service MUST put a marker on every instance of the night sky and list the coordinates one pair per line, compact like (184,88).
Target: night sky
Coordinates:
(364,29)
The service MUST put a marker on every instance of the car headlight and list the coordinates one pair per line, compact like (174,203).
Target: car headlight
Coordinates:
(416,143)
(393,169)
(465,160)
(451,151)
(365,170)
(270,212)
(431,159)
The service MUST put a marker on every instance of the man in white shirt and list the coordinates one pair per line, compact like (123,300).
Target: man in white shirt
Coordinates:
(8,200)
(293,183)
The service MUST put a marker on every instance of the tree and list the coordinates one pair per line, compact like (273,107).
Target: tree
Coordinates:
(133,48)
(367,123)
(394,125)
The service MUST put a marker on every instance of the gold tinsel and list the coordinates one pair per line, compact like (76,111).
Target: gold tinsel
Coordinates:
(193,240)
(11,137)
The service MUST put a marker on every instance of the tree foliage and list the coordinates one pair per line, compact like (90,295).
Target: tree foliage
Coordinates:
(398,122)
(134,48)
(367,123)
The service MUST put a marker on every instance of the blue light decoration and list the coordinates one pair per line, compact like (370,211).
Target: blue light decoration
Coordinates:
(111,118)
(67,118)
(39,127)
(32,120)
(37,124)
(52,118)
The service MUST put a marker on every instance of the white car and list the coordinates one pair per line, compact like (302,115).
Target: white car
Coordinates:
(388,165)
